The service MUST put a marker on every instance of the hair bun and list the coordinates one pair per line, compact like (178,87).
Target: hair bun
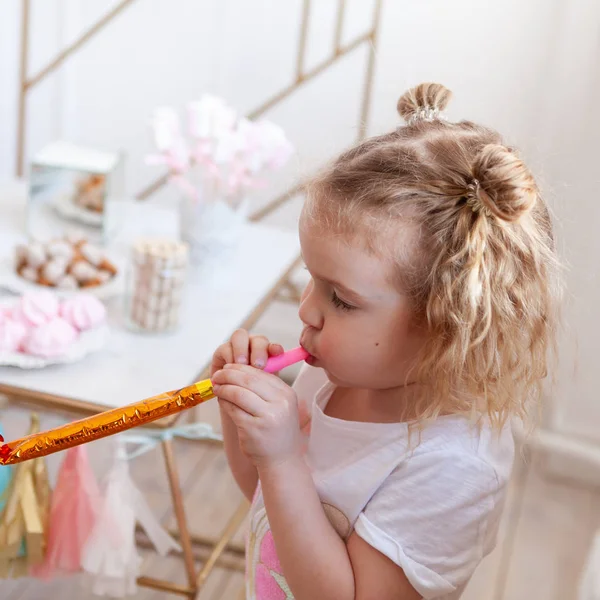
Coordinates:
(424,102)
(506,186)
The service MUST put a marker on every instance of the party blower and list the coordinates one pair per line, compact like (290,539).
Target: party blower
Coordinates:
(123,418)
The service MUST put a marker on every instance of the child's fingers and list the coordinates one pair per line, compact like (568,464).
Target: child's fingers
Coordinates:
(275,349)
(241,397)
(259,346)
(266,386)
(223,356)
(240,340)
(236,414)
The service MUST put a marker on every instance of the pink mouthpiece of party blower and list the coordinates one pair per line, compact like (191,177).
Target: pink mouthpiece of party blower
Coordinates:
(276,363)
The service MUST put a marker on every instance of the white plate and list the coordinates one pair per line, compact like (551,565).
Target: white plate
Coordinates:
(67,208)
(10,280)
(87,342)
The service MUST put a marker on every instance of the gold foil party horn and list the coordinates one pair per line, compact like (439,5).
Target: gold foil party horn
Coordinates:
(123,418)
(104,424)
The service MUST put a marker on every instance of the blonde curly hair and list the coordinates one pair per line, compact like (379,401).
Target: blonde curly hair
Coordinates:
(484,276)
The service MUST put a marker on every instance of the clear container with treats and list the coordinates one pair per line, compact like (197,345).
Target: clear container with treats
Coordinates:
(155,285)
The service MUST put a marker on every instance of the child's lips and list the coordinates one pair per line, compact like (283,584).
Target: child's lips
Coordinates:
(312,358)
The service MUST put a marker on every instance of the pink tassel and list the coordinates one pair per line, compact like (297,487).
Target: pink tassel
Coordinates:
(75,503)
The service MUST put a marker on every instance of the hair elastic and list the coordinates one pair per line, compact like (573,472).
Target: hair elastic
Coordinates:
(474,201)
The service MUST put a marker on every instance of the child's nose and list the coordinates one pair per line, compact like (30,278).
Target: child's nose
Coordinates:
(309,311)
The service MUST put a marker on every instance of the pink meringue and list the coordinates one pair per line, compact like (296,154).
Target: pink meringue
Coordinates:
(50,339)
(12,335)
(36,308)
(83,311)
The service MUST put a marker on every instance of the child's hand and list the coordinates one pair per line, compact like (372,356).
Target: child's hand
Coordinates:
(265,411)
(244,349)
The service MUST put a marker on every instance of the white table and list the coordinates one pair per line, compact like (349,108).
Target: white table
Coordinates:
(135,366)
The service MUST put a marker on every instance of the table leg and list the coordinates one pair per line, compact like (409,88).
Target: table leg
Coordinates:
(230,529)
(184,532)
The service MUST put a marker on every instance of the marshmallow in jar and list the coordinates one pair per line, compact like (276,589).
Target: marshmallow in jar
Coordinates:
(155,284)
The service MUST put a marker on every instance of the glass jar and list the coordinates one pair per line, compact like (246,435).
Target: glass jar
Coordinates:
(155,284)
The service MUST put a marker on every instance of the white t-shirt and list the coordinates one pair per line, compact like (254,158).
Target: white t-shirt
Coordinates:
(431,504)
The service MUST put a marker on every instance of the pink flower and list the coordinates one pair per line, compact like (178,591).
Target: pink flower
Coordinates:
(167,132)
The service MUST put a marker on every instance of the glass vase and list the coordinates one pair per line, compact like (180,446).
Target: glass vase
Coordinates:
(211,225)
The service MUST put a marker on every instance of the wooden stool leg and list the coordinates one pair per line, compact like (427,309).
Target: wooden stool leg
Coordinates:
(182,526)
(232,526)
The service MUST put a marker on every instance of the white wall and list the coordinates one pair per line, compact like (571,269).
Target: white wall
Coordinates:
(569,130)
(168,51)
(526,68)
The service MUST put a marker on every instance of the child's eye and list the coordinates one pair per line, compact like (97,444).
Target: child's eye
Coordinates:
(340,303)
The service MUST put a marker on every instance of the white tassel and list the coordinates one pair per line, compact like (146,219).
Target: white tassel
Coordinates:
(110,555)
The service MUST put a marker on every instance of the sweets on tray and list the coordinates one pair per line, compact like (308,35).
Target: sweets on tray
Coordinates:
(90,193)
(51,339)
(68,263)
(12,335)
(39,324)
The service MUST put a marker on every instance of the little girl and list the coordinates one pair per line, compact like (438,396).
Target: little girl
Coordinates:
(381,474)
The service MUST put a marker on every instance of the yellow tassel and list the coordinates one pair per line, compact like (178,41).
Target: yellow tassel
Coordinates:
(34,532)
(23,523)
(42,489)
(12,525)
(14,568)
